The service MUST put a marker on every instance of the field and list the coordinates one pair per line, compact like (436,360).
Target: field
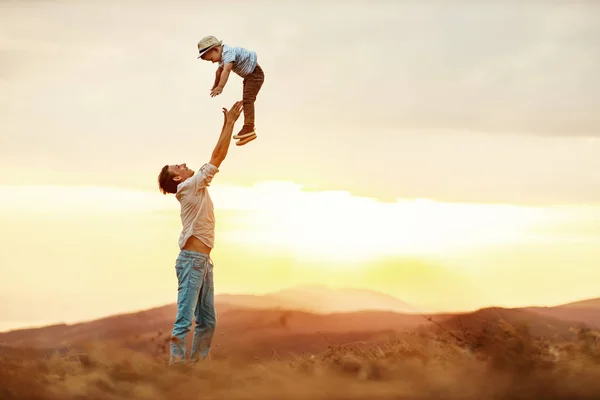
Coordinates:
(472,356)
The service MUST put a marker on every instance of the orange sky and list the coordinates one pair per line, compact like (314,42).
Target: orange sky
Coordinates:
(364,109)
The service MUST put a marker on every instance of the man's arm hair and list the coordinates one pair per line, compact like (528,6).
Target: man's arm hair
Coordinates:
(220,151)
(225,74)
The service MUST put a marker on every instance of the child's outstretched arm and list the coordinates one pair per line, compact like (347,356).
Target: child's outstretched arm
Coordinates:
(217,77)
(222,80)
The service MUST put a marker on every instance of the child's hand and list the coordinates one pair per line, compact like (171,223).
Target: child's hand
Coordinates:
(216,91)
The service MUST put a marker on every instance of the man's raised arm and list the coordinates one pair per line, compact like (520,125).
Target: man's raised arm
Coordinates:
(229,118)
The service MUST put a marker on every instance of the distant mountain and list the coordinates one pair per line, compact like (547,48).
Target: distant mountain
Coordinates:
(590,303)
(362,310)
(585,311)
(236,326)
(302,319)
(250,333)
(320,299)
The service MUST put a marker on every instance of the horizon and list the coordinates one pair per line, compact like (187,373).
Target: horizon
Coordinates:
(456,173)
(10,326)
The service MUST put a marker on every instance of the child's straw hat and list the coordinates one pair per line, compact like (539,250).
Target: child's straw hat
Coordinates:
(207,43)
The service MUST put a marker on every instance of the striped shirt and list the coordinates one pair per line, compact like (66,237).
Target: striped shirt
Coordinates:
(244,61)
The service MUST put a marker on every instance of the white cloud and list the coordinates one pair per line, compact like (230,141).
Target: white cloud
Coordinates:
(319,224)
(95,86)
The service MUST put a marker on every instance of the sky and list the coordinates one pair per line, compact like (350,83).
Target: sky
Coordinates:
(421,149)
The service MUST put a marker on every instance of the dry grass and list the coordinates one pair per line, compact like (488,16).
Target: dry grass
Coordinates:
(507,365)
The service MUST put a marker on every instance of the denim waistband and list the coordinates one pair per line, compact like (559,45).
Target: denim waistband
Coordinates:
(195,254)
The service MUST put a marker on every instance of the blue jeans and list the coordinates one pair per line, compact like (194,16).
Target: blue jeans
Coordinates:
(195,299)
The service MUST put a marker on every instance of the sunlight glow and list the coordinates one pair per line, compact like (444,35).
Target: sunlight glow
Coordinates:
(331,225)
(337,225)
(88,200)
(278,233)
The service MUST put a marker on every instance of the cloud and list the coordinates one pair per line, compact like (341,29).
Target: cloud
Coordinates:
(313,225)
(489,67)
(347,85)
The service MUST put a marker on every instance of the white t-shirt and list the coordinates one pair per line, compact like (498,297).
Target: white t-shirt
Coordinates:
(197,211)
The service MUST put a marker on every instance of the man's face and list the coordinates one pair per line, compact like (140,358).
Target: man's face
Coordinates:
(180,172)
(213,55)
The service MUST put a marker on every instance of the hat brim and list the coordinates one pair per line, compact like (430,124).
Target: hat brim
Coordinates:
(204,50)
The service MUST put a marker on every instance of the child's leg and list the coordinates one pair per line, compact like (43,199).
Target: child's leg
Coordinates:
(252,85)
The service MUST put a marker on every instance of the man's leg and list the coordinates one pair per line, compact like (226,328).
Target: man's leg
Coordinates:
(206,316)
(251,86)
(189,278)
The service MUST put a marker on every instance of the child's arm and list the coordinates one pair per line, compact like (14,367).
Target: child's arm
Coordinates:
(222,79)
(217,77)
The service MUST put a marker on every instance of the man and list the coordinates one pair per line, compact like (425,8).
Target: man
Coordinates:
(194,268)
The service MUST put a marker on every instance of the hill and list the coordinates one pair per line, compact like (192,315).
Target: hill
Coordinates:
(240,330)
(589,303)
(247,329)
(585,311)
(495,321)
(250,333)
(319,299)
(411,367)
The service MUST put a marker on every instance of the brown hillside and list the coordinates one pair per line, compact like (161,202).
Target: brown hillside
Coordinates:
(586,315)
(489,325)
(248,333)
(234,325)
(590,303)
(116,326)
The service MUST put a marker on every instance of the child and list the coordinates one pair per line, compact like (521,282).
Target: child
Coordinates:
(244,63)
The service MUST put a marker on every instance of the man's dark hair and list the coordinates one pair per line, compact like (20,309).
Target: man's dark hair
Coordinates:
(166,184)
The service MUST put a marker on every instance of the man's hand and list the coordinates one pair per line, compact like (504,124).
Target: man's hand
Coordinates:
(216,91)
(232,115)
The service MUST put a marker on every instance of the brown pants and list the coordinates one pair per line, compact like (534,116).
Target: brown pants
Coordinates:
(252,85)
